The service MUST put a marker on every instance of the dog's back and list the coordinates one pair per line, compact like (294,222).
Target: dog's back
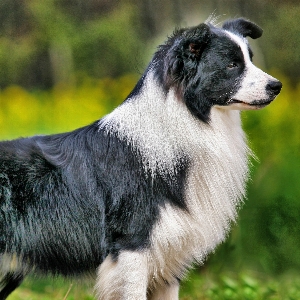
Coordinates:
(150,188)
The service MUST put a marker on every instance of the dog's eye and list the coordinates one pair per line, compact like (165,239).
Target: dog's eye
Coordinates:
(232,65)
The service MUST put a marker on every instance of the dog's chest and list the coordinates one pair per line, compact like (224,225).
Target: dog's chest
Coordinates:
(214,188)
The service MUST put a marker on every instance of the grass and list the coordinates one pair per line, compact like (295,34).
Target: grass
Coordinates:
(204,285)
(243,286)
(53,289)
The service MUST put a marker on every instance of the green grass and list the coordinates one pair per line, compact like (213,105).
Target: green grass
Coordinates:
(246,285)
(205,285)
(53,289)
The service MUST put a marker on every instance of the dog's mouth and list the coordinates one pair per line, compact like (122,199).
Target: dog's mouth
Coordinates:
(257,104)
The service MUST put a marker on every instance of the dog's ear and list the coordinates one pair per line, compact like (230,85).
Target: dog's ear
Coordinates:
(184,52)
(243,27)
(196,39)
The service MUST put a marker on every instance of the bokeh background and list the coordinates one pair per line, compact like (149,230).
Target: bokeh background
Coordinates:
(66,63)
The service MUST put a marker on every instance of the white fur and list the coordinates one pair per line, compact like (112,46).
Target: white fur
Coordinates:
(126,278)
(161,127)
(129,277)
(253,85)
(165,292)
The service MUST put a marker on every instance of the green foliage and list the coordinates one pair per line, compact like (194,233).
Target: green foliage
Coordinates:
(63,108)
(94,40)
(52,46)
(279,45)
(246,285)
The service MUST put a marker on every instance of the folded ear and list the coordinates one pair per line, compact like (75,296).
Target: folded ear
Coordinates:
(243,27)
(184,52)
(196,39)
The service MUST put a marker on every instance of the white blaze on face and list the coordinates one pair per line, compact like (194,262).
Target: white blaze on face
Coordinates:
(254,82)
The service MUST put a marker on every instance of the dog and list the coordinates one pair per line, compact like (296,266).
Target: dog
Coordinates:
(140,195)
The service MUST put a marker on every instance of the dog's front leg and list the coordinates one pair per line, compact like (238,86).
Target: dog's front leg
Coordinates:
(125,277)
(165,292)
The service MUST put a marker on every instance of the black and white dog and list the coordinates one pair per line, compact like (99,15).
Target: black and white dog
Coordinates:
(149,189)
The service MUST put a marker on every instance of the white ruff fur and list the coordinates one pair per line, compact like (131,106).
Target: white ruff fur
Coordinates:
(161,128)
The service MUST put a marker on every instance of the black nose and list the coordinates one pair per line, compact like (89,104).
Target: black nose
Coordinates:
(274,87)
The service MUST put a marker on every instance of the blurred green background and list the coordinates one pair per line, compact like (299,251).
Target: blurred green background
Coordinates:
(66,63)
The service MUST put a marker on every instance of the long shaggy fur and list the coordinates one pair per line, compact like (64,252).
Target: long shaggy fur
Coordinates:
(149,189)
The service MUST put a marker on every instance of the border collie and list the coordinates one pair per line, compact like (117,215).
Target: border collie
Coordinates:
(149,189)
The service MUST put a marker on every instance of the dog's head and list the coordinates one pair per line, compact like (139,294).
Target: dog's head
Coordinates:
(210,66)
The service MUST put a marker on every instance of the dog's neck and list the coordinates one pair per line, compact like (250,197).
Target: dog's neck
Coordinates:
(161,127)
